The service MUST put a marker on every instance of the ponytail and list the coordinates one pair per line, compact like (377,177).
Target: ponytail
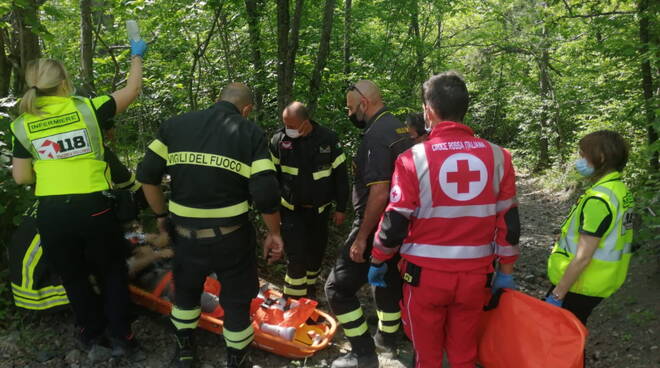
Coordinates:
(44,78)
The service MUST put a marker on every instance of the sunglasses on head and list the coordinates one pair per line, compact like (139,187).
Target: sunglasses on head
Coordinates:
(353,87)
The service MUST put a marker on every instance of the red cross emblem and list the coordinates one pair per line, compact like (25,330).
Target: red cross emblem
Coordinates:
(463,176)
(49,148)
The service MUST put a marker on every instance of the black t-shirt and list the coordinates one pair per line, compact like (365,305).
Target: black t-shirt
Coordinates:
(105,109)
(384,139)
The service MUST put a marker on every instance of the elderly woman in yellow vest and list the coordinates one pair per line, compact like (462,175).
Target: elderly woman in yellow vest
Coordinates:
(590,260)
(58,147)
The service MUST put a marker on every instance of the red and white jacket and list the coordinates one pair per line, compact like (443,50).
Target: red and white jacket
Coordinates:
(453,204)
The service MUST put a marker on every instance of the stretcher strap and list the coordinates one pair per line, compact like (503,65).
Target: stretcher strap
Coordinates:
(162,284)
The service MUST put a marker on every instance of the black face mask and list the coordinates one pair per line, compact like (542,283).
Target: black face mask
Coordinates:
(360,124)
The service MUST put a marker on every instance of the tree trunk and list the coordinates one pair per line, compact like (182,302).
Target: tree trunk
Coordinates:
(5,68)
(647,80)
(419,51)
(347,39)
(28,40)
(545,92)
(257,62)
(293,49)
(282,52)
(322,57)
(86,47)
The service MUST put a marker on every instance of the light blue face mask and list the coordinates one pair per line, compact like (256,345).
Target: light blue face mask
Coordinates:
(292,133)
(582,167)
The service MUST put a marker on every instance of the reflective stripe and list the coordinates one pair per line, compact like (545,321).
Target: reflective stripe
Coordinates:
(317,175)
(447,251)
(19,133)
(208,160)
(477,210)
(135,187)
(312,276)
(388,316)
(295,292)
(350,316)
(498,167)
(131,180)
(93,129)
(262,165)
(289,170)
(322,208)
(159,148)
(377,244)
(506,250)
(30,261)
(313,273)
(388,328)
(357,331)
(422,169)
(338,161)
(505,204)
(286,204)
(223,212)
(240,339)
(295,282)
(276,160)
(42,293)
(42,304)
(185,318)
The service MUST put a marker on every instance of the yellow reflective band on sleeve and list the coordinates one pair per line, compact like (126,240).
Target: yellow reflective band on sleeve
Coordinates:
(378,182)
(286,204)
(357,331)
(289,170)
(350,316)
(209,160)
(321,174)
(295,282)
(295,292)
(30,261)
(159,148)
(276,160)
(185,318)
(385,316)
(338,161)
(262,165)
(239,340)
(223,212)
(388,329)
(322,208)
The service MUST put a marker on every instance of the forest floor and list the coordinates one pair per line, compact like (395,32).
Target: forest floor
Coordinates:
(624,330)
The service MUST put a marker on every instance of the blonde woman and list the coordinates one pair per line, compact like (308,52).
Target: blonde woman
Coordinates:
(58,147)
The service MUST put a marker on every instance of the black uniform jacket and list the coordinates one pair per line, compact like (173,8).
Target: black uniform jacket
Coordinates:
(218,162)
(311,169)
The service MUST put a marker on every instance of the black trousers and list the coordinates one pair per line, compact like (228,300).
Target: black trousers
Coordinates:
(81,236)
(305,235)
(232,258)
(580,305)
(346,279)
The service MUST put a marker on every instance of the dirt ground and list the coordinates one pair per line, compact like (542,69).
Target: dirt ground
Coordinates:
(624,330)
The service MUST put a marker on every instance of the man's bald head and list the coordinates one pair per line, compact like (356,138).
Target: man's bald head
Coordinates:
(364,99)
(296,109)
(238,94)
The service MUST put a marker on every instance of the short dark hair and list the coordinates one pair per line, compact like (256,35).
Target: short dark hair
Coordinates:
(416,121)
(606,150)
(447,95)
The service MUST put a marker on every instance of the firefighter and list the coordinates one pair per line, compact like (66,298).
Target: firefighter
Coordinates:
(218,162)
(312,174)
(384,137)
(58,146)
(590,260)
(452,212)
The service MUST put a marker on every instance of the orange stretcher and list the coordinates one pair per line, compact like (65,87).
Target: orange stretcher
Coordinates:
(525,332)
(320,323)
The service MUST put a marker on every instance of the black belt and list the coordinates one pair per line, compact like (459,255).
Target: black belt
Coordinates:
(69,197)
(206,233)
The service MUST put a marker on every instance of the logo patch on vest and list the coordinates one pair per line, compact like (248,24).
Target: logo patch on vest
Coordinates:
(63,145)
(54,122)
(286,145)
(324,149)
(395,194)
(463,176)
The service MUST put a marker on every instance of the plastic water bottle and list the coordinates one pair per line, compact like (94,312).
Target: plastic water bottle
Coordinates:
(132,30)
(287,333)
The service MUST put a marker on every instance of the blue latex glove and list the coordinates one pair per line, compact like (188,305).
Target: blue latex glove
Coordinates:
(503,280)
(554,301)
(377,274)
(138,47)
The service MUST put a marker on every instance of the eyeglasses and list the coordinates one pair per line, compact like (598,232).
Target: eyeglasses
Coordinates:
(353,87)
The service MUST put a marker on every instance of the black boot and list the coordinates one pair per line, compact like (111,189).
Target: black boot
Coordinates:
(185,354)
(386,342)
(311,292)
(238,358)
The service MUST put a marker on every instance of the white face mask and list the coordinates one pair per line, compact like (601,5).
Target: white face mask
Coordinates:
(292,133)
